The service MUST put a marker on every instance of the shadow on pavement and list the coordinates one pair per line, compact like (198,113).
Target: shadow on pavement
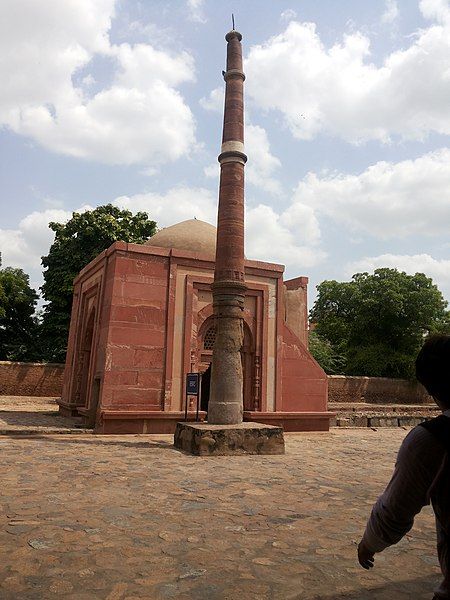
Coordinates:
(67,439)
(414,588)
(37,418)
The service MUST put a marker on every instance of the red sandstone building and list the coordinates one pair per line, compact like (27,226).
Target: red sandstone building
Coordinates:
(142,318)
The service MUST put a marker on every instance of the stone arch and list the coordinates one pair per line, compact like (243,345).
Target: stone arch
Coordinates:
(84,360)
(206,334)
(209,338)
(248,367)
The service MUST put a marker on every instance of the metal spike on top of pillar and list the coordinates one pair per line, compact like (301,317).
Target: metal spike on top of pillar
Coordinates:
(226,395)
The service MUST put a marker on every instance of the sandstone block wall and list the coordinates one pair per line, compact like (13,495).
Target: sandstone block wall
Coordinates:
(45,379)
(30,379)
(376,390)
(133,376)
(303,382)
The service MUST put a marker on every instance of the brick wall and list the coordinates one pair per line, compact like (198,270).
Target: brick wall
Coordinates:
(376,390)
(30,379)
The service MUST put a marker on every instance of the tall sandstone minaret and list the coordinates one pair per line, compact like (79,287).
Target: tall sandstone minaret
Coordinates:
(226,395)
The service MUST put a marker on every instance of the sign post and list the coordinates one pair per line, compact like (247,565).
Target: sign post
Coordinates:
(193,388)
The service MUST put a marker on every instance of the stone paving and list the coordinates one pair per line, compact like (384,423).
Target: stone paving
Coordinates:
(27,415)
(130,518)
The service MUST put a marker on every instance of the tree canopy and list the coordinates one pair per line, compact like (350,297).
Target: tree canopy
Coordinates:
(377,322)
(76,243)
(18,323)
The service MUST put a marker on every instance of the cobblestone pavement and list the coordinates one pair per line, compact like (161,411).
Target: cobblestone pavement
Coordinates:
(130,518)
(27,414)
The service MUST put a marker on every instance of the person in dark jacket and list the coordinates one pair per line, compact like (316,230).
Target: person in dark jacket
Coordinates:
(422,471)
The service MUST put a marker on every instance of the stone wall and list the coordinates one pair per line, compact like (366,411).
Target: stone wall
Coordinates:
(375,390)
(40,379)
(296,307)
(30,379)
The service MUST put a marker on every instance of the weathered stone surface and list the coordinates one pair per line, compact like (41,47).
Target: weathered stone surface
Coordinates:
(383,422)
(345,388)
(31,379)
(360,421)
(204,439)
(381,415)
(226,397)
(309,516)
(405,421)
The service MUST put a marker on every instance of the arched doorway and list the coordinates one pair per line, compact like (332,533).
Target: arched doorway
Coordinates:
(205,342)
(84,359)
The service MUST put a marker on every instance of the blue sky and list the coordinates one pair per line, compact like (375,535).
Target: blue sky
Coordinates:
(347,125)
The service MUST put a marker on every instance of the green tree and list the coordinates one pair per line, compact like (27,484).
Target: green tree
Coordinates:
(76,243)
(19,326)
(326,354)
(377,321)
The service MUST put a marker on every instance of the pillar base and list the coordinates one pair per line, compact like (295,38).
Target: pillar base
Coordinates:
(204,439)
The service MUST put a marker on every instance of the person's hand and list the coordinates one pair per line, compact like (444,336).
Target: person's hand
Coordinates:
(365,556)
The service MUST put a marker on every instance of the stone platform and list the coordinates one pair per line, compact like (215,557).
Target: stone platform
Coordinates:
(204,439)
(362,414)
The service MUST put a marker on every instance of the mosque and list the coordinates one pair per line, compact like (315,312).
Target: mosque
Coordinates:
(143,318)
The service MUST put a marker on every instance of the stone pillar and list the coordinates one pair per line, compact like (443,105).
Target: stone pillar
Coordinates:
(226,396)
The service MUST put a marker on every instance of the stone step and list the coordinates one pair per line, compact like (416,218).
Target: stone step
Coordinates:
(360,414)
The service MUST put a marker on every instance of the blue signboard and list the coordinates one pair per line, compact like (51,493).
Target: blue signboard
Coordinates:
(192,384)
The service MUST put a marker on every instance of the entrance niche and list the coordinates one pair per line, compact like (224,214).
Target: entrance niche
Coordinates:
(84,359)
(206,339)
(248,367)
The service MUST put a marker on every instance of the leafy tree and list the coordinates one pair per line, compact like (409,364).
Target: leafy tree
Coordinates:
(377,321)
(76,243)
(325,353)
(19,327)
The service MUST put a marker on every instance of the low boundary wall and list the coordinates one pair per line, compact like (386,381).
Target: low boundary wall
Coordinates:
(376,390)
(30,379)
(45,379)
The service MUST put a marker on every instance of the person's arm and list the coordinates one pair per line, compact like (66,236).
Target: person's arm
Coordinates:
(392,516)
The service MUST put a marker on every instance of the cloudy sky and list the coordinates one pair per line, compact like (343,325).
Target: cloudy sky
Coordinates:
(347,125)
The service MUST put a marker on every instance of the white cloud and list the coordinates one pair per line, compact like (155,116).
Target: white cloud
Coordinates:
(291,237)
(140,117)
(88,80)
(196,10)
(438,270)
(386,200)
(215,100)
(24,246)
(339,91)
(438,10)
(286,238)
(177,204)
(288,14)
(261,164)
(390,12)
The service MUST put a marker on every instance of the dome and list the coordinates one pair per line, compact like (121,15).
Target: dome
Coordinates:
(192,235)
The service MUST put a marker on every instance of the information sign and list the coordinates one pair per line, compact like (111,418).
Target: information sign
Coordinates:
(193,384)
